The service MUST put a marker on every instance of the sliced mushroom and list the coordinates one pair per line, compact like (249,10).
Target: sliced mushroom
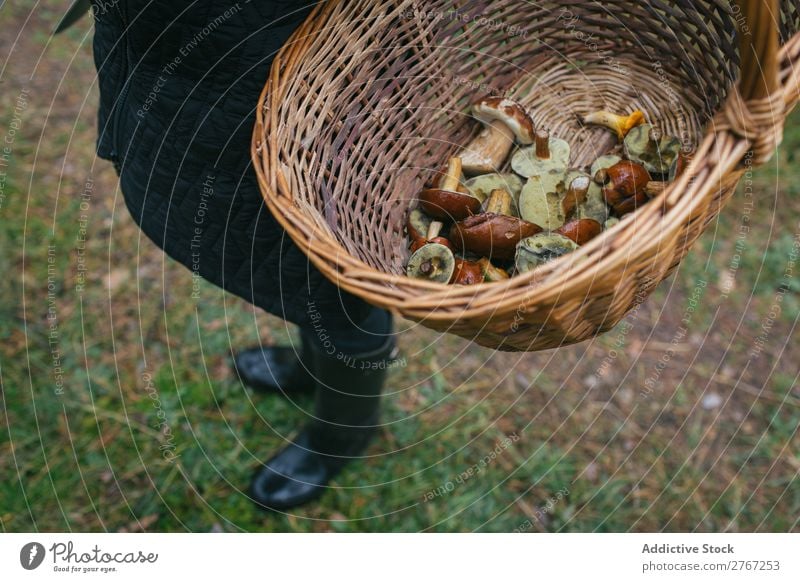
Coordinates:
(505,121)
(540,201)
(446,202)
(537,250)
(467,273)
(433,262)
(648,146)
(624,186)
(492,274)
(491,235)
(581,231)
(619,124)
(549,155)
(482,186)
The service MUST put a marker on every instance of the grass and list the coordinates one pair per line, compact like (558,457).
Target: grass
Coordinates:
(151,432)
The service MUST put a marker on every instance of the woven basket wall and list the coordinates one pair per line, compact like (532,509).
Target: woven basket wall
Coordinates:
(370,97)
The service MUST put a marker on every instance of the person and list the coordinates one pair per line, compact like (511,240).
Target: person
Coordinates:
(179,83)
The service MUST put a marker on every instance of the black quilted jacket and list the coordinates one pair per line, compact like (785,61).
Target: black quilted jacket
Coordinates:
(179,82)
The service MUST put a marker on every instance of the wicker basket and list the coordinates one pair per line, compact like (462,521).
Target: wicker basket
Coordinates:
(369,97)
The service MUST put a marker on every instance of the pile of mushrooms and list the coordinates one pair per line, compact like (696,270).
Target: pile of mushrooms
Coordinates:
(475,224)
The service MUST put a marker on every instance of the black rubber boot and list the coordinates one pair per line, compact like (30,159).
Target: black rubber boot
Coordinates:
(346,419)
(276,370)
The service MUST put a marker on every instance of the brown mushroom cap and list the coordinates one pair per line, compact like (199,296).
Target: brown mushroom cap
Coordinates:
(448,204)
(482,186)
(581,231)
(491,235)
(467,273)
(625,186)
(684,160)
(511,113)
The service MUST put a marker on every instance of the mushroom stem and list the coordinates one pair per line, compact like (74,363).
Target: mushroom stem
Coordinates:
(542,144)
(452,178)
(435,229)
(487,152)
(499,202)
(490,272)
(579,188)
(576,195)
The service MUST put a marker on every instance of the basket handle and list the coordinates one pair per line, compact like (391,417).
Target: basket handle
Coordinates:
(758,39)
(755,112)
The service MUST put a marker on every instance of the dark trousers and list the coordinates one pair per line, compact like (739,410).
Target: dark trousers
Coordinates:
(347,338)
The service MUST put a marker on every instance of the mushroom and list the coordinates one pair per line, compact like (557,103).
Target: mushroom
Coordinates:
(467,273)
(499,202)
(648,146)
(620,124)
(446,202)
(540,249)
(624,186)
(540,201)
(576,194)
(492,274)
(417,225)
(505,120)
(433,262)
(440,176)
(594,206)
(581,231)
(482,186)
(491,235)
(431,237)
(549,155)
